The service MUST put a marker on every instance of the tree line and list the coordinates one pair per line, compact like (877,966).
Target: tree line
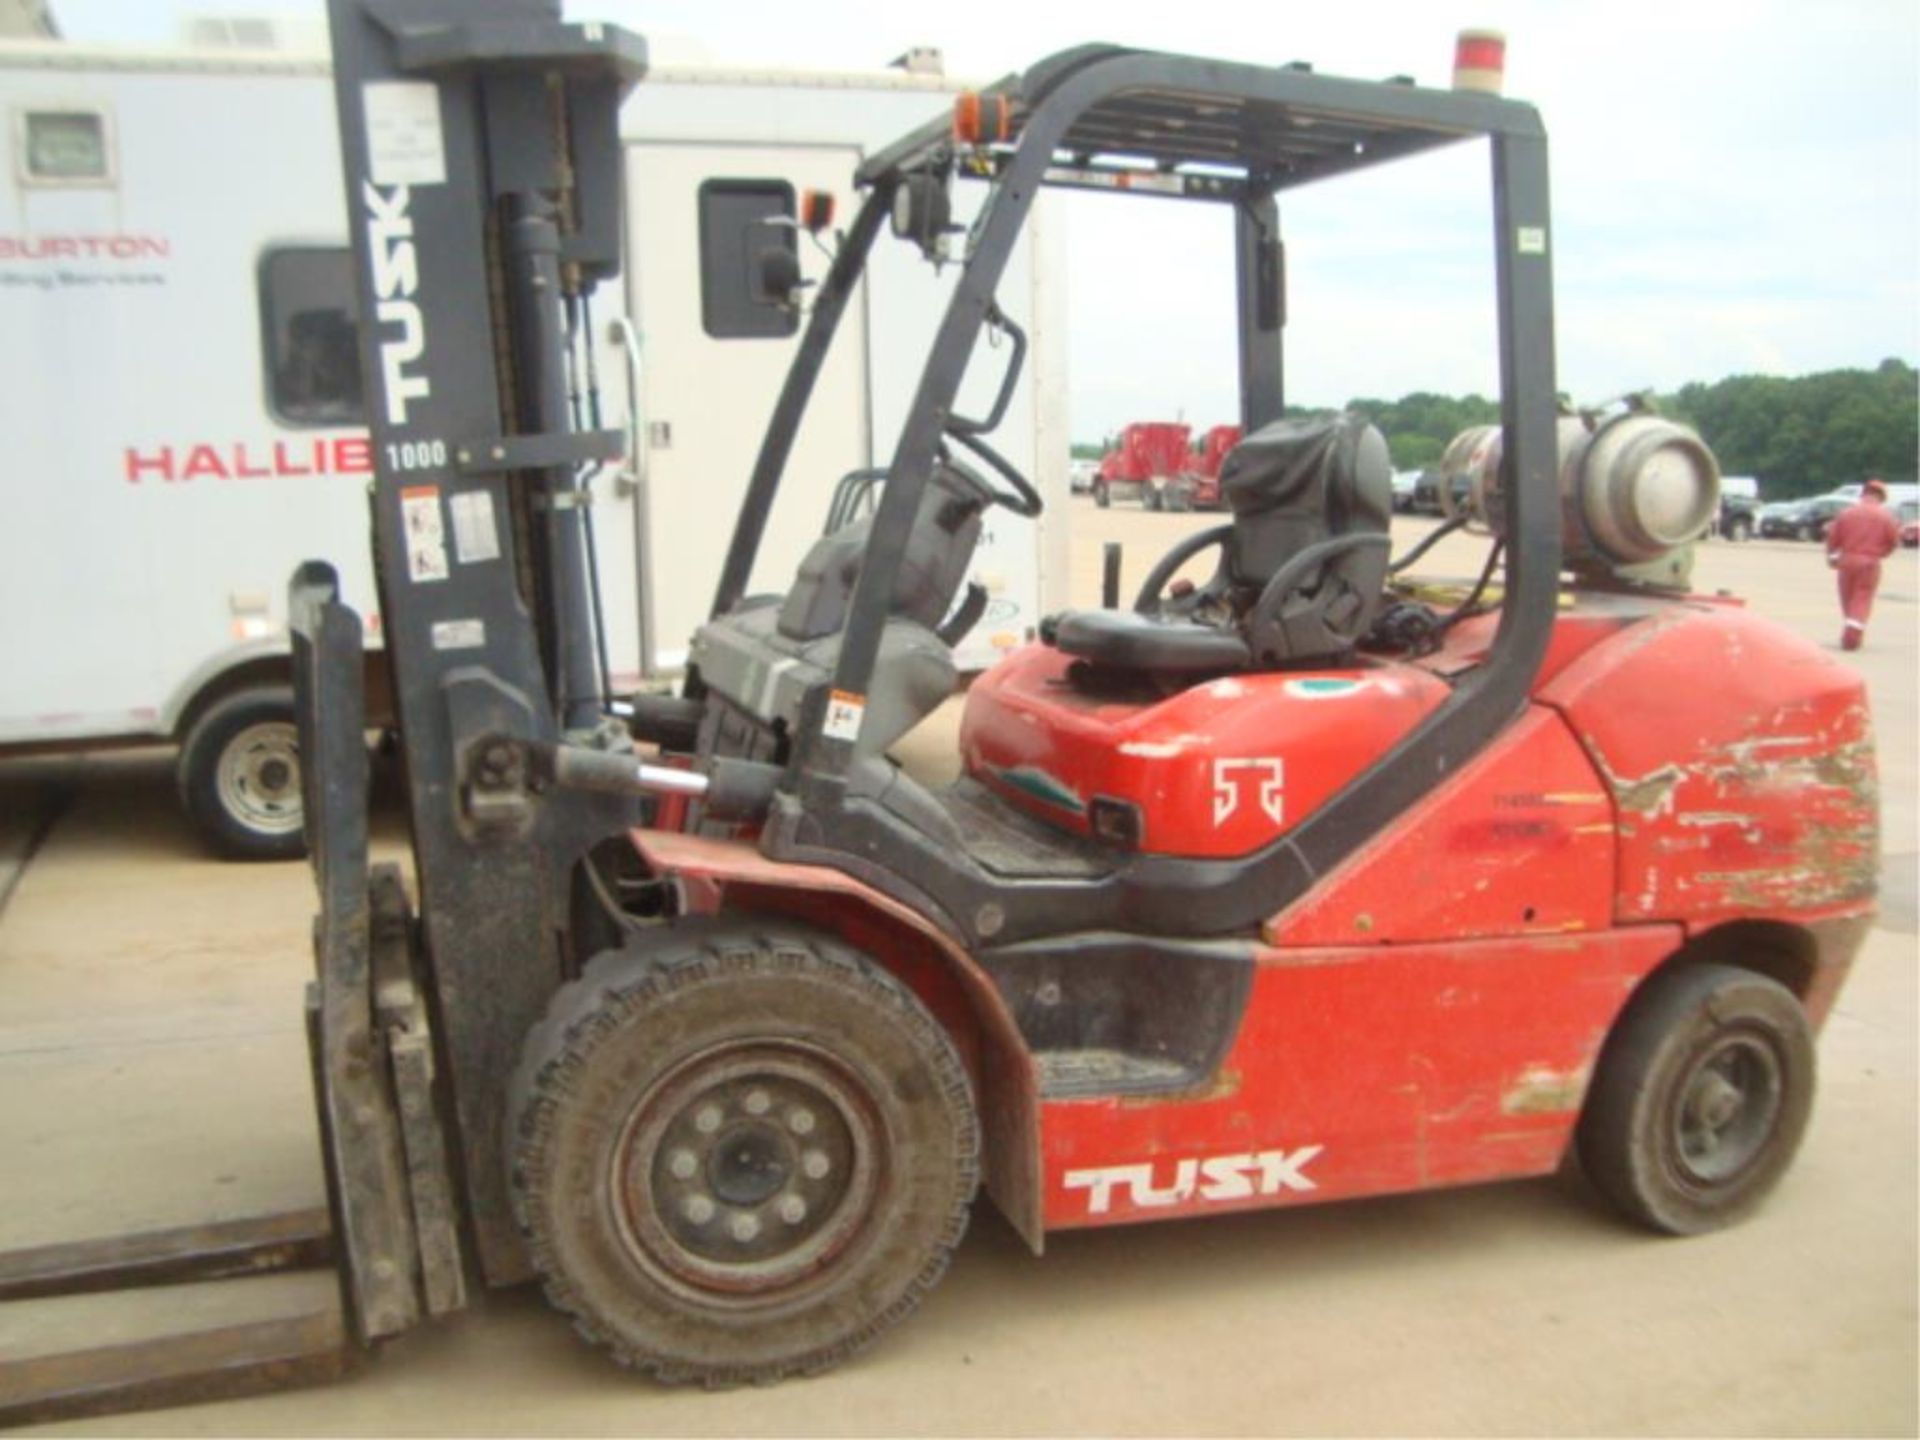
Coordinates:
(1801,435)
(1806,435)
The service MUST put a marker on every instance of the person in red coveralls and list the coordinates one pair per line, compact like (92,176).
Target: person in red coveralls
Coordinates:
(1860,537)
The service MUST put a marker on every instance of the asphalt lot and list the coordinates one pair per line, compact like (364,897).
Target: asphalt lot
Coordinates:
(153,1072)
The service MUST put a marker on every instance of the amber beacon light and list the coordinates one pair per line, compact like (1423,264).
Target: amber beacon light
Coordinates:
(981,119)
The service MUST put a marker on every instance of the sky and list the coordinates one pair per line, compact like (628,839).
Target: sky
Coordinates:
(1736,188)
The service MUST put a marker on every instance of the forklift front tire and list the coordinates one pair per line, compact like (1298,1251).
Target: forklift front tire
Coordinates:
(239,775)
(1701,1098)
(739,1152)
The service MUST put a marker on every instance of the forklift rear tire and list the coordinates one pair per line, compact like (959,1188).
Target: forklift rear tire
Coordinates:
(739,1152)
(1701,1098)
(239,775)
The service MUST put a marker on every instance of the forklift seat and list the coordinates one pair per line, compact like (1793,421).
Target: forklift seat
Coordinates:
(1302,567)
(768,655)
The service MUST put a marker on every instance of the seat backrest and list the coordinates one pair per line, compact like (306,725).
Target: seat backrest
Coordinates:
(945,533)
(1324,485)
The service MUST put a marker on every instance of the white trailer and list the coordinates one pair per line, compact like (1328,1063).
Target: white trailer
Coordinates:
(180,397)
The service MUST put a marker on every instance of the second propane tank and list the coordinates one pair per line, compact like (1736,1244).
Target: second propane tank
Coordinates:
(1634,488)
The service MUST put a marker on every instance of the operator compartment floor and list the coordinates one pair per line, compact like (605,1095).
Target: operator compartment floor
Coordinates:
(1008,842)
(1071,1074)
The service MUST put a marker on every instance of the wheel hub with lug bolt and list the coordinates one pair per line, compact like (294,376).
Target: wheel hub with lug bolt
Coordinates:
(258,777)
(1727,1110)
(744,1172)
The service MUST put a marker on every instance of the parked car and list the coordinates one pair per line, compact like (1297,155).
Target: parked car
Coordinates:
(1774,521)
(1909,516)
(1427,499)
(1803,519)
(1081,474)
(1405,482)
(1739,517)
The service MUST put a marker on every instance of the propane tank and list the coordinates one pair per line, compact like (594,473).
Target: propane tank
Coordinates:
(1634,490)
(1642,486)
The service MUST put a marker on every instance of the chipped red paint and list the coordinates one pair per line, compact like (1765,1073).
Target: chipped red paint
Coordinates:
(1741,761)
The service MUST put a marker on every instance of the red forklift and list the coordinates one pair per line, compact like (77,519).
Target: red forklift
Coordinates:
(1297,882)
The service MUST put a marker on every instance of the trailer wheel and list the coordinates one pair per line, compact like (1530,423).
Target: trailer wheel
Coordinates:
(239,775)
(1701,1098)
(739,1153)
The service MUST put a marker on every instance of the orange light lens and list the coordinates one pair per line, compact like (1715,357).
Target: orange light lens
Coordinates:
(966,118)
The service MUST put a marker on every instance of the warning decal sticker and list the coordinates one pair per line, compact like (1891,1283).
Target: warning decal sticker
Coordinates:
(404,145)
(426,533)
(845,711)
(475,536)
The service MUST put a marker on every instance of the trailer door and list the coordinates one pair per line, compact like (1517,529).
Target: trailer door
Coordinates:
(714,352)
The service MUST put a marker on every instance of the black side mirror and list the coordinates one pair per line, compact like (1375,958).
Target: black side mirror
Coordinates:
(776,278)
(923,211)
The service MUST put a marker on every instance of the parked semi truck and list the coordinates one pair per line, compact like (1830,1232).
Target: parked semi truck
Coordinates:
(1144,462)
(184,421)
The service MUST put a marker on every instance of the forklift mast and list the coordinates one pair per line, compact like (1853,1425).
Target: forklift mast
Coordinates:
(480,151)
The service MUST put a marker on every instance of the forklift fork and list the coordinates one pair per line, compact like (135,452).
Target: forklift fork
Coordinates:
(182,1369)
(389,1232)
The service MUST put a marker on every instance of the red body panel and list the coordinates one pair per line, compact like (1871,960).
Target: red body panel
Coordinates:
(1519,843)
(1740,758)
(1431,1011)
(1220,769)
(1146,450)
(1406,1066)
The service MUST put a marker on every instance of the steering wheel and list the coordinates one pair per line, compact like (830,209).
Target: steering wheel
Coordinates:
(1023,499)
(1153,598)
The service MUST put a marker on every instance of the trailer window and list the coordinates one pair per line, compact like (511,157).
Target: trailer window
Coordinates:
(311,344)
(740,221)
(64,147)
